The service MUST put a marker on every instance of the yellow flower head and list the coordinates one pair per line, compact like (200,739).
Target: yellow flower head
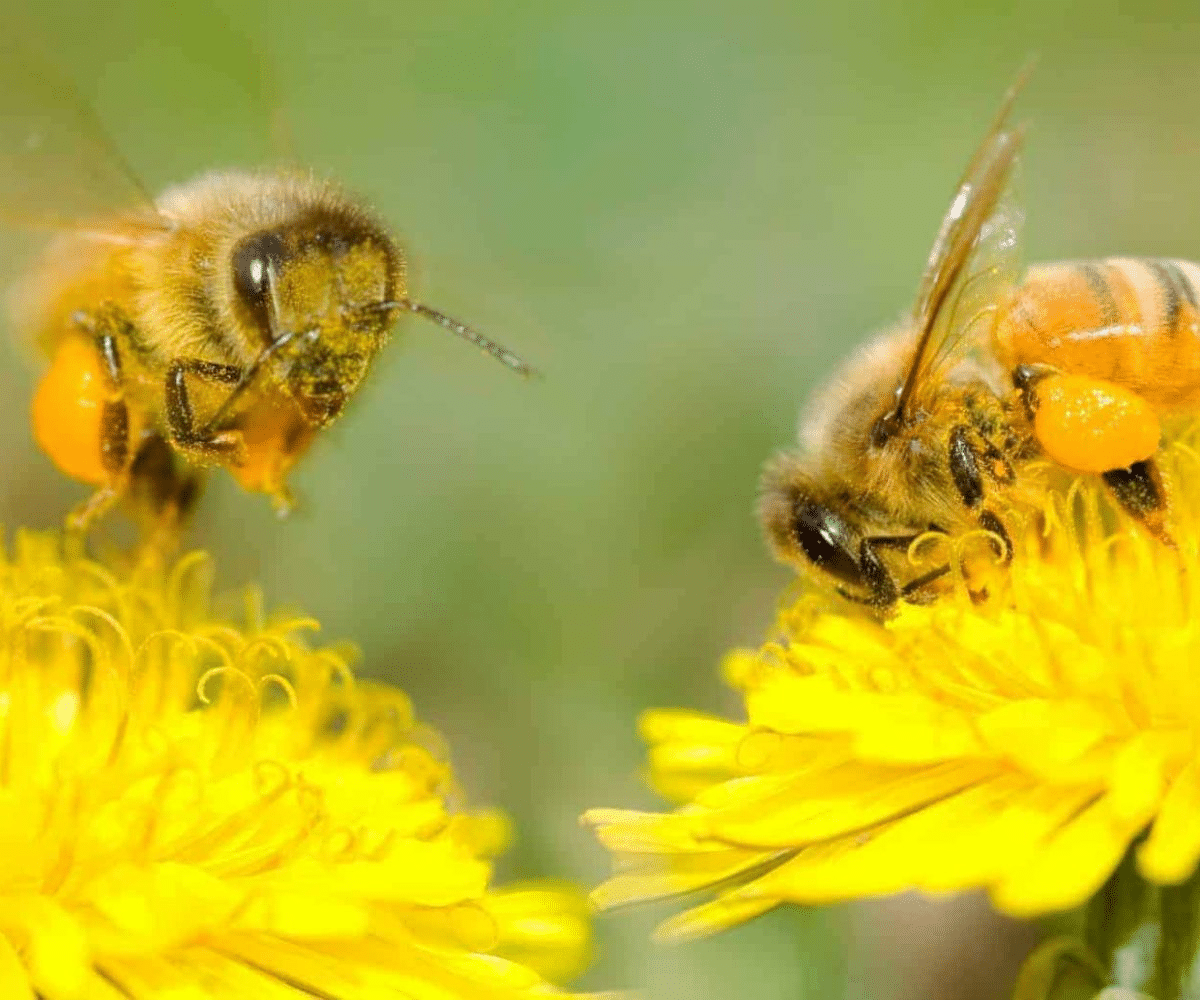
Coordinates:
(195,809)
(1021,744)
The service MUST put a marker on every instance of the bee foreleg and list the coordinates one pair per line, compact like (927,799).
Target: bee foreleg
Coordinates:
(1139,490)
(897,541)
(911,590)
(884,592)
(180,417)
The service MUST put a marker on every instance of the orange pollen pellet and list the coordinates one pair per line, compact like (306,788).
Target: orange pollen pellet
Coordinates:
(67,411)
(1091,425)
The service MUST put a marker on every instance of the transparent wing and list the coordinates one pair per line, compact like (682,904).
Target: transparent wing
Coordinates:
(981,287)
(57,166)
(975,258)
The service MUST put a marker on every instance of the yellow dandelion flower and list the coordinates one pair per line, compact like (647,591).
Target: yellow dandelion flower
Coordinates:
(191,808)
(1023,744)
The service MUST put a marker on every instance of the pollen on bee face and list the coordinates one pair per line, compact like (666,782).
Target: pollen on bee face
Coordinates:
(365,274)
(306,289)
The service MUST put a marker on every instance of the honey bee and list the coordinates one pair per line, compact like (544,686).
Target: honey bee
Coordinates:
(935,426)
(223,323)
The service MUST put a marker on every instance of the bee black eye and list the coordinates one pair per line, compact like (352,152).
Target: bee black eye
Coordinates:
(826,540)
(254,259)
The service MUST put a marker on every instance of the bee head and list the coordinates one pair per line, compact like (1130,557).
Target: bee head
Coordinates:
(803,528)
(313,290)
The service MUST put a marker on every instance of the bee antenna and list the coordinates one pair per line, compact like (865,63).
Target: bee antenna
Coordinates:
(472,336)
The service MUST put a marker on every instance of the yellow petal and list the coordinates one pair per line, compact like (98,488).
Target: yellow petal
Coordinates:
(808,808)
(1041,735)
(57,954)
(1071,865)
(718,915)
(1170,853)
(14,980)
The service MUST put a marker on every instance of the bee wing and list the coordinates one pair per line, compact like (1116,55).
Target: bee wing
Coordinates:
(981,287)
(974,260)
(57,165)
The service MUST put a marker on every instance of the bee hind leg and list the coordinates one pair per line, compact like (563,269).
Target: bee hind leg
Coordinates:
(1140,491)
(114,436)
(114,448)
(1090,425)
(1025,379)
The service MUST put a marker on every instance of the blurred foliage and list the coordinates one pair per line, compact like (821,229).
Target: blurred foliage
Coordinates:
(684,214)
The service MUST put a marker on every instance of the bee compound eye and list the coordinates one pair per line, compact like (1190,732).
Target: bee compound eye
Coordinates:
(826,540)
(254,259)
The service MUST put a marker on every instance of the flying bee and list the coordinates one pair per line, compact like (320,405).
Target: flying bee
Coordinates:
(224,323)
(936,426)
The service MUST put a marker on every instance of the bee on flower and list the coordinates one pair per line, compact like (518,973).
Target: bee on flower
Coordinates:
(1008,700)
(945,424)
(1036,746)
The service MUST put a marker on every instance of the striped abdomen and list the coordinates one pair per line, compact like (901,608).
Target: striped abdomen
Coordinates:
(1135,322)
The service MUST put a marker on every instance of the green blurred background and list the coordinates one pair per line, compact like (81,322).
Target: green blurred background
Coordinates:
(684,214)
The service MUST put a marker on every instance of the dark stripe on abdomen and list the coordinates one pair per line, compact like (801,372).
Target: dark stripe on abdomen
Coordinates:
(1183,282)
(1098,286)
(1168,284)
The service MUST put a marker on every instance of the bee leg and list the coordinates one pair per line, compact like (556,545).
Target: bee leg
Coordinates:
(911,591)
(1025,379)
(884,592)
(166,489)
(990,522)
(1137,487)
(964,467)
(181,419)
(1139,490)
(114,433)
(114,418)
(81,518)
